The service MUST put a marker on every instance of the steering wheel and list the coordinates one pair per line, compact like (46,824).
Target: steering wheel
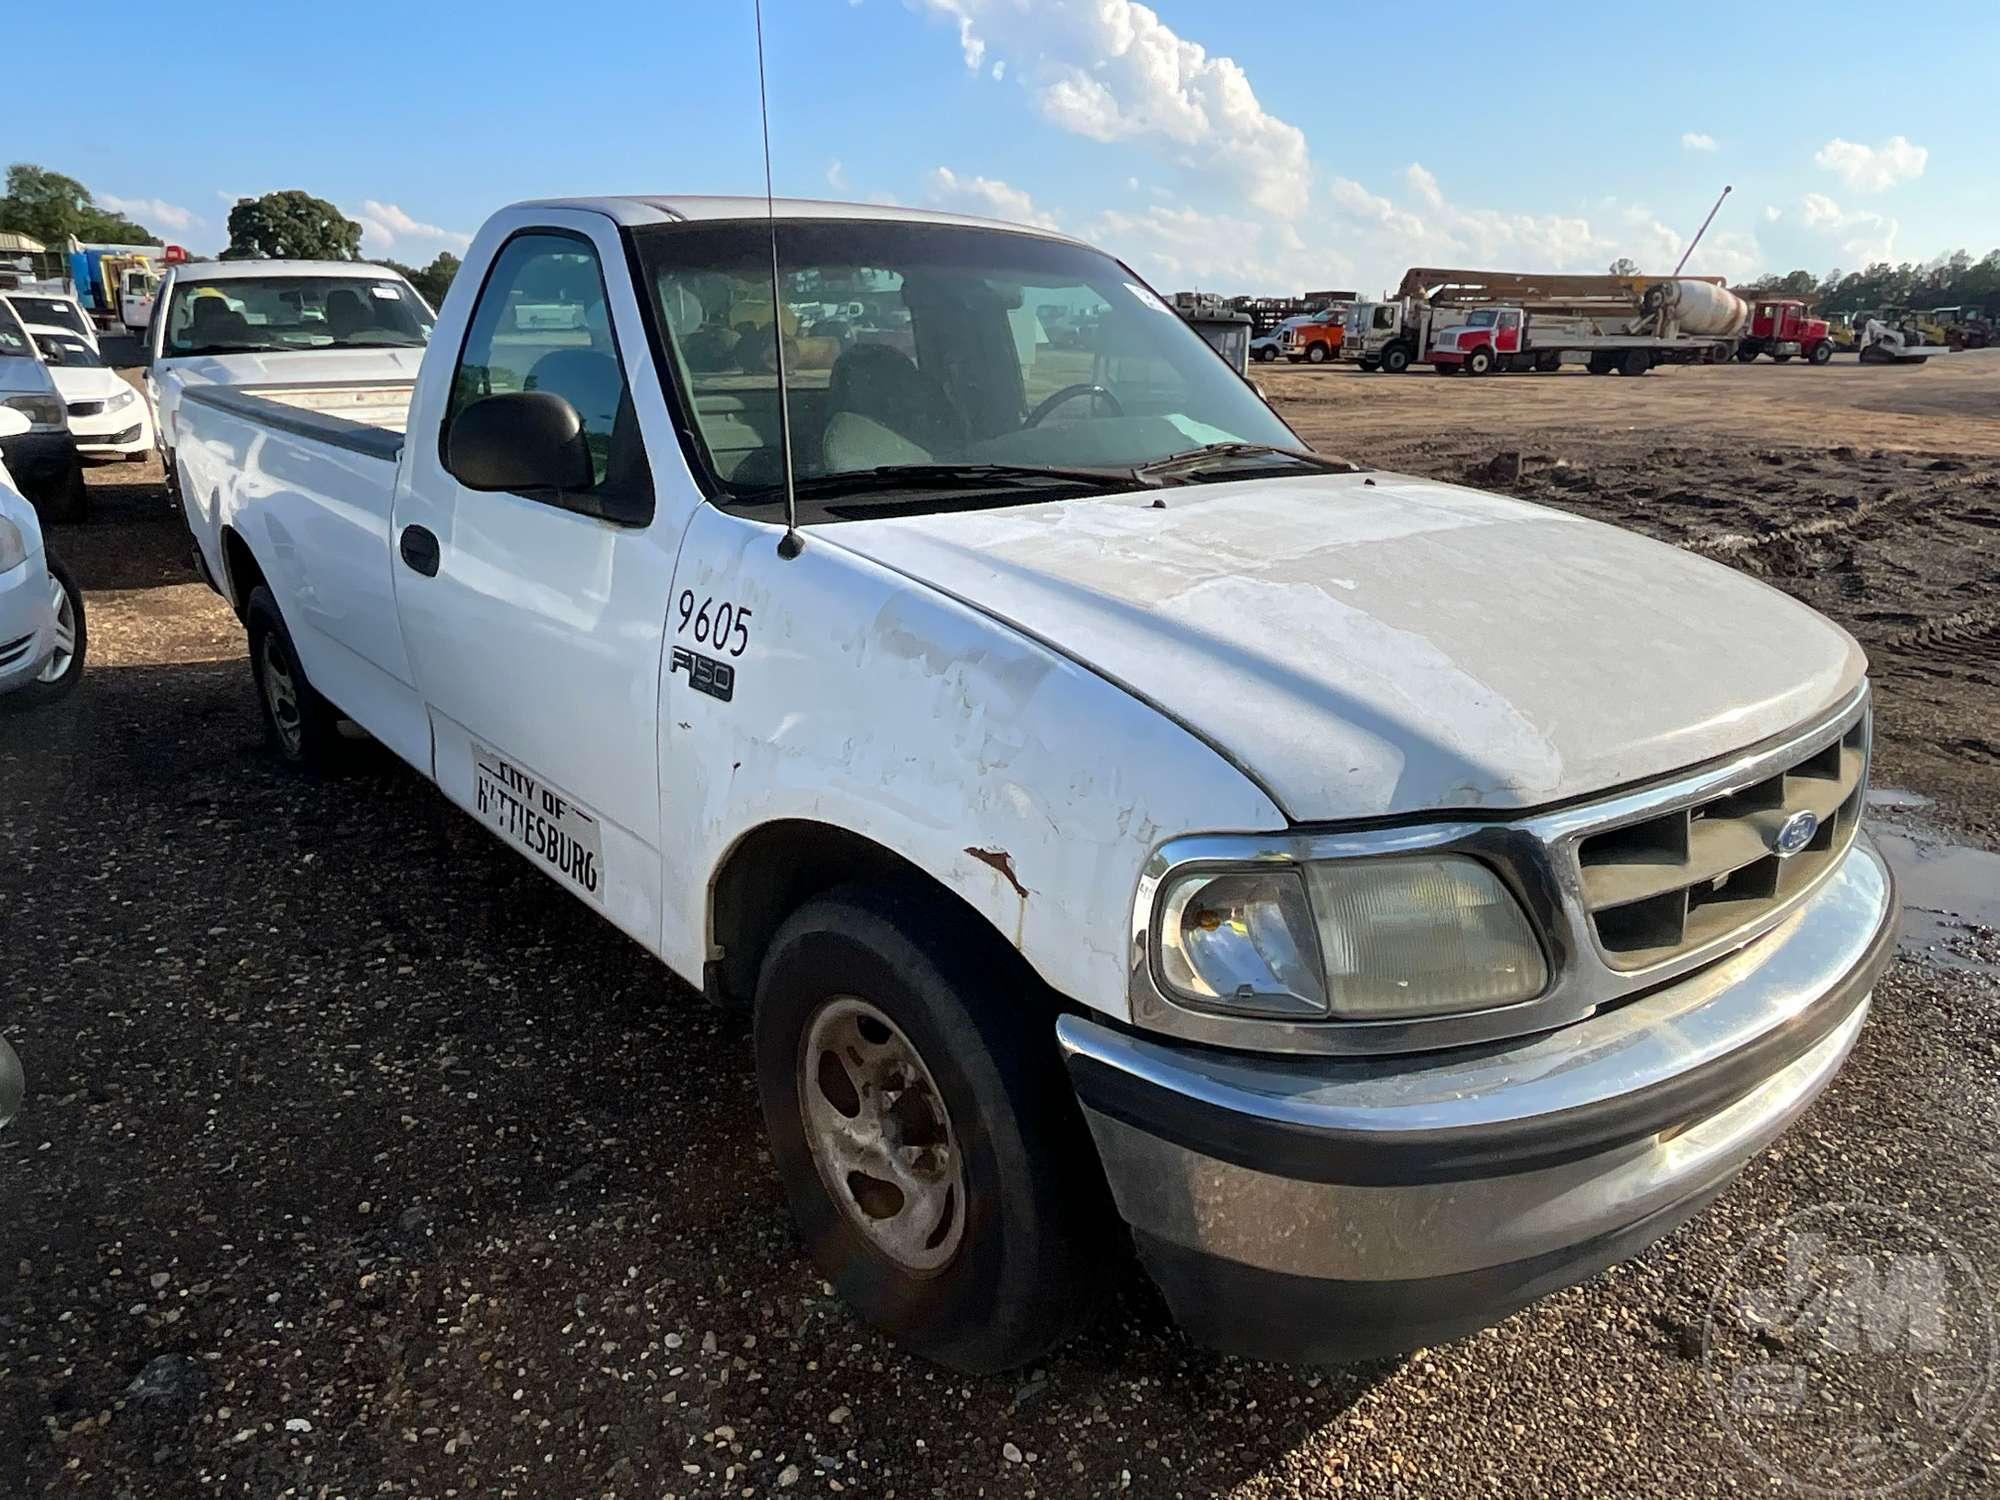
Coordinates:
(1070,393)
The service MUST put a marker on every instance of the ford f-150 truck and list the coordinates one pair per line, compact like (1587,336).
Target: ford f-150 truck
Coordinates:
(1394,901)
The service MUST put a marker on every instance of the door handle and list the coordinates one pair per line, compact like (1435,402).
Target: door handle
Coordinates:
(419,547)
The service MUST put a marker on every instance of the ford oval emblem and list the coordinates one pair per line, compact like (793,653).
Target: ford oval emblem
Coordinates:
(1794,834)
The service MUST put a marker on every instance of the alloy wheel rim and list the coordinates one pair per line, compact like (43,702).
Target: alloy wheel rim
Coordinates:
(281,694)
(64,655)
(881,1135)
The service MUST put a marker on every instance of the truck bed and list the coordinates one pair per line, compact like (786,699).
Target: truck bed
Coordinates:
(362,416)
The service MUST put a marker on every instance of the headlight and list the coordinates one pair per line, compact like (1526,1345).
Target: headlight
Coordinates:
(1421,936)
(13,546)
(43,411)
(1378,939)
(1241,941)
(122,400)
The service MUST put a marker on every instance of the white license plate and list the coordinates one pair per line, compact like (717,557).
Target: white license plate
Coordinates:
(540,819)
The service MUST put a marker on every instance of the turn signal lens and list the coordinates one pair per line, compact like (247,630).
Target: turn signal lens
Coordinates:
(1241,942)
(1406,937)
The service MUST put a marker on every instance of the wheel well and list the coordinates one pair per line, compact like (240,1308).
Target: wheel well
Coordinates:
(239,566)
(777,868)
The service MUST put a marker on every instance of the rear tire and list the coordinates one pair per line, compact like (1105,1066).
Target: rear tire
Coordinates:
(303,727)
(1746,353)
(857,984)
(1549,361)
(65,668)
(1396,359)
(1636,362)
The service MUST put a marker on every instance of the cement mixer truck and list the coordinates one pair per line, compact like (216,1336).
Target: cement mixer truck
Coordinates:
(1674,321)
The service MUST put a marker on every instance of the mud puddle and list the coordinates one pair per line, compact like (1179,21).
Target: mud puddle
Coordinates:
(1950,892)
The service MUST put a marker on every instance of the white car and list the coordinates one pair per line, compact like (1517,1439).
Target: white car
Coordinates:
(42,638)
(108,416)
(52,310)
(41,456)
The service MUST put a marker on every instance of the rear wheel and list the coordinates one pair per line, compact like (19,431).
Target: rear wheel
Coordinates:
(926,1134)
(1636,362)
(1600,364)
(303,726)
(1396,359)
(1745,353)
(1549,361)
(65,664)
(1266,355)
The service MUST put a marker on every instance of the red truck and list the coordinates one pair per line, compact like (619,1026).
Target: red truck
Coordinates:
(1781,328)
(1318,339)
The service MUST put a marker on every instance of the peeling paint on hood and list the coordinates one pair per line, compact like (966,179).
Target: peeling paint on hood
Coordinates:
(1401,646)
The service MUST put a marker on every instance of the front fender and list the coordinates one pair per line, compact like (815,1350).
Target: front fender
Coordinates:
(1020,780)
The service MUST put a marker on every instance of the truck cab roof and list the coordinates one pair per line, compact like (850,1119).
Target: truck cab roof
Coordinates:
(233,270)
(639,209)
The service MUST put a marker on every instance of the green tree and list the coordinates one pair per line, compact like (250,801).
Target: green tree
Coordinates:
(51,207)
(291,225)
(433,280)
(1624,266)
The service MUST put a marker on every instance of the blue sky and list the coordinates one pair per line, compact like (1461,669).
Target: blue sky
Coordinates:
(1266,147)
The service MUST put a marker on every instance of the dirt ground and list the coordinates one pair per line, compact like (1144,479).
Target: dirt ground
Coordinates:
(359,1160)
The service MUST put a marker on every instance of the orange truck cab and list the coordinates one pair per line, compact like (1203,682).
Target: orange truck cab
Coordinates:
(1318,339)
(1781,328)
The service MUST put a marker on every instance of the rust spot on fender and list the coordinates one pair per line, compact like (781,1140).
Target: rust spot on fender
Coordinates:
(1002,861)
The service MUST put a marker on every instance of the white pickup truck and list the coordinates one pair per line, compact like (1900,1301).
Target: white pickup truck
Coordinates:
(1420,899)
(255,321)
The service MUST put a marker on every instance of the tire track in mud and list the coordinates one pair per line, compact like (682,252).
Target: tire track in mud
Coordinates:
(1734,544)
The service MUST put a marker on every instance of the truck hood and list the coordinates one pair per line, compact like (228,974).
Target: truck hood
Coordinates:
(1374,645)
(298,364)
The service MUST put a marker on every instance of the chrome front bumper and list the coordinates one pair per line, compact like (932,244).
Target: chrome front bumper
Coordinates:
(1320,1208)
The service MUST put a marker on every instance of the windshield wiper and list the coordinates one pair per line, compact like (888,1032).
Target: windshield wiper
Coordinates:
(891,478)
(375,344)
(1194,460)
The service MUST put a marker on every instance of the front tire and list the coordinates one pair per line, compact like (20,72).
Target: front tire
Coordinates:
(931,1149)
(1821,352)
(302,726)
(1316,354)
(1479,362)
(1395,359)
(65,666)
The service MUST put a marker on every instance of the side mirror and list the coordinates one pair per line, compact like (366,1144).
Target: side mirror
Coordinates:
(525,440)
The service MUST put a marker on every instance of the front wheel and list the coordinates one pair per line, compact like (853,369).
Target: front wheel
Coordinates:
(920,1119)
(1479,362)
(65,664)
(1821,352)
(1316,354)
(1395,359)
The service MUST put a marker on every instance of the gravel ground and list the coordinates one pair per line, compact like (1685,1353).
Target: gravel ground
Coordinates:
(360,1161)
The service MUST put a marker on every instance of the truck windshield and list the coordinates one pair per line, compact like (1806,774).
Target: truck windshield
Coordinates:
(50,312)
(13,337)
(271,313)
(911,347)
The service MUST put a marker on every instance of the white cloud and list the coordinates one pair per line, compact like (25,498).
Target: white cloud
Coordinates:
(154,213)
(1863,235)
(1182,249)
(1772,213)
(1000,70)
(836,176)
(985,195)
(1871,169)
(384,226)
(1699,140)
(1111,70)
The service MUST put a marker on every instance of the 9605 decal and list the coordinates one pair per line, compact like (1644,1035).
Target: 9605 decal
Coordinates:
(718,623)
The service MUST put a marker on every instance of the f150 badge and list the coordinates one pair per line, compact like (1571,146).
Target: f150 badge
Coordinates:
(704,673)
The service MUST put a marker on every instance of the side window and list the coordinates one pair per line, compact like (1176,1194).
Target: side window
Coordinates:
(543,323)
(1510,321)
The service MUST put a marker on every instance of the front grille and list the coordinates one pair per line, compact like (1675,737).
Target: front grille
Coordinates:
(13,651)
(85,408)
(1680,881)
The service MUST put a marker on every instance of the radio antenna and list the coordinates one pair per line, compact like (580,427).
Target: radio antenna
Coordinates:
(791,543)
